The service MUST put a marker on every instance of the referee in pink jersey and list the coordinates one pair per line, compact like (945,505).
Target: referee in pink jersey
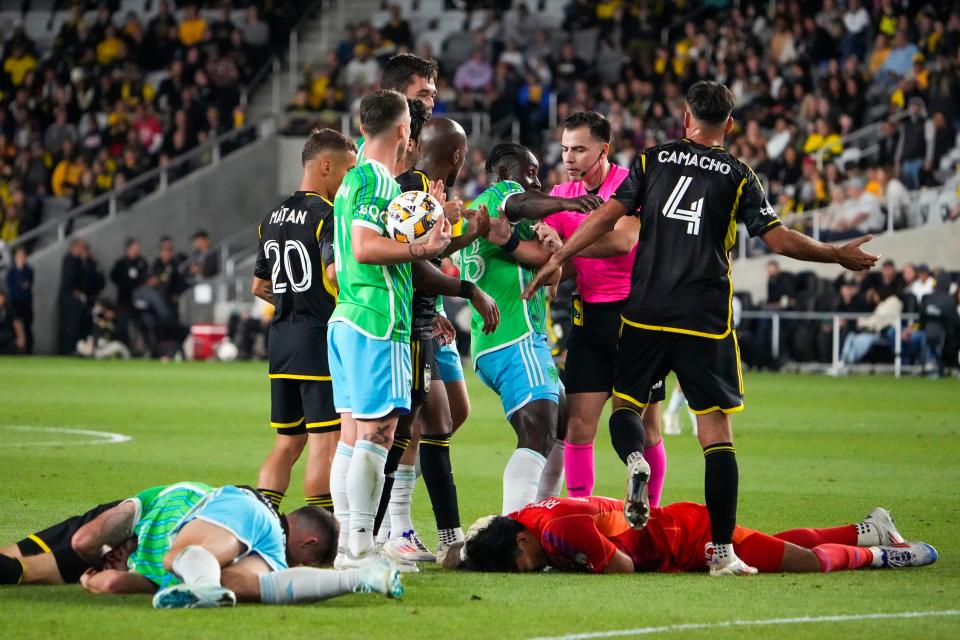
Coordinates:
(603,285)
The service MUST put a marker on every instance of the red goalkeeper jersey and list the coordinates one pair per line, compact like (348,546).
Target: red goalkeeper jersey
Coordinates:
(584,533)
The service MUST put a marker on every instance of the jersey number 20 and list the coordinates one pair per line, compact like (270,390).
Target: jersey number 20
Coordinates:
(281,261)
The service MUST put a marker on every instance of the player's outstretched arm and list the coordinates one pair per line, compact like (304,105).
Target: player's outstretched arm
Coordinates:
(618,242)
(534,205)
(431,281)
(601,221)
(263,289)
(477,226)
(369,247)
(115,582)
(532,253)
(110,528)
(792,244)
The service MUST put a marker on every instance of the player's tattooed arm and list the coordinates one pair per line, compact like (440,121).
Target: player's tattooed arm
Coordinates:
(263,289)
(110,528)
(370,247)
(792,244)
(533,205)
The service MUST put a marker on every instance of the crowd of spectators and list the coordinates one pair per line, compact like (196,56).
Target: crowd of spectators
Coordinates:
(931,341)
(804,74)
(119,93)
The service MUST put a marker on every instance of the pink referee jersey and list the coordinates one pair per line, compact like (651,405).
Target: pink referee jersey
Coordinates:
(598,279)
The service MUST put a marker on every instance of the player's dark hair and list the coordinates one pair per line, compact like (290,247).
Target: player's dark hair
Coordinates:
(710,101)
(321,523)
(599,126)
(401,69)
(419,116)
(494,548)
(380,110)
(505,154)
(321,140)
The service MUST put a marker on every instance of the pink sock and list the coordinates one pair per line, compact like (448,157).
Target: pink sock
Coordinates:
(656,457)
(578,465)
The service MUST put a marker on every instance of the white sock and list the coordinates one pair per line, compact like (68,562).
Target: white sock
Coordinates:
(338,489)
(197,567)
(551,481)
(723,553)
(868,535)
(450,536)
(364,486)
(521,478)
(676,400)
(401,500)
(306,584)
(878,555)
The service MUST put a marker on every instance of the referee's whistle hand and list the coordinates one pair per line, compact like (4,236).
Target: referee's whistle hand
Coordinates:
(546,274)
(851,256)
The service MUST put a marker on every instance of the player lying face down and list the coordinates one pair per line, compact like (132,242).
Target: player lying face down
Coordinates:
(592,535)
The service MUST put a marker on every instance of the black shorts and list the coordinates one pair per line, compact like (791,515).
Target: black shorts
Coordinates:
(423,362)
(59,535)
(592,350)
(708,370)
(302,406)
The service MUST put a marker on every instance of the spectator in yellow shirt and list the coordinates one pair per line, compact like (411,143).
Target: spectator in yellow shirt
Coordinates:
(111,48)
(18,65)
(193,29)
(822,137)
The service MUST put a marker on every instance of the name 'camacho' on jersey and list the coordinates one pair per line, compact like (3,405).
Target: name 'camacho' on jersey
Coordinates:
(296,245)
(693,197)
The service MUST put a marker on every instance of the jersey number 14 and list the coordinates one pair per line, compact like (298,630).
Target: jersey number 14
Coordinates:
(672,207)
(281,271)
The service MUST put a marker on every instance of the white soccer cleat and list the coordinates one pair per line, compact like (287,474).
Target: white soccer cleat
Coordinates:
(883,523)
(908,554)
(636,505)
(183,596)
(408,548)
(730,567)
(380,577)
(671,424)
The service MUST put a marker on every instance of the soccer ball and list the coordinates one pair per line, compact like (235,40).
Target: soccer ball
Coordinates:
(411,215)
(227,351)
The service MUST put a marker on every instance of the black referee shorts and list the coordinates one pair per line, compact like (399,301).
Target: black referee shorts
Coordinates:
(303,404)
(592,350)
(708,370)
(422,360)
(59,536)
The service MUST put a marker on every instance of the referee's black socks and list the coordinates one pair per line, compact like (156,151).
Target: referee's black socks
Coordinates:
(399,445)
(720,481)
(438,476)
(626,432)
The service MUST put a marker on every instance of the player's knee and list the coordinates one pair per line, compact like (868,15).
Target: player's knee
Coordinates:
(290,447)
(714,427)
(651,422)
(580,431)
(535,425)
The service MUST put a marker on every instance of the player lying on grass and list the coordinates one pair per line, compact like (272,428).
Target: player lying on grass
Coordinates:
(591,534)
(230,545)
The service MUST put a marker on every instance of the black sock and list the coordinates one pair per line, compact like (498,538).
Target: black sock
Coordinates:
(275,497)
(720,480)
(11,570)
(626,432)
(393,461)
(322,500)
(70,565)
(438,476)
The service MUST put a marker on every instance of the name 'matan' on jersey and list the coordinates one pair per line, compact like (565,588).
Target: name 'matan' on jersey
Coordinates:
(296,245)
(690,199)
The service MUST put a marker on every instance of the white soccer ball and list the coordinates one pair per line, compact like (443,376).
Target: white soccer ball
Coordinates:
(411,215)
(227,351)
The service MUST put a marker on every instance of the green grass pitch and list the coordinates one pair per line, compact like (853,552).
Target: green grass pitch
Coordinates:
(812,450)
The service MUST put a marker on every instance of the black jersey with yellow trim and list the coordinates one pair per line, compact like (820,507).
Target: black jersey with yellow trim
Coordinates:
(424,306)
(689,199)
(295,247)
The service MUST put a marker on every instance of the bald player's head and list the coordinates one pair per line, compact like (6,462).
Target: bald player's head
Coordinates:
(443,148)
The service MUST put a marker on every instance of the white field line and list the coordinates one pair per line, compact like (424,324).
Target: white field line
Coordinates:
(642,631)
(91,437)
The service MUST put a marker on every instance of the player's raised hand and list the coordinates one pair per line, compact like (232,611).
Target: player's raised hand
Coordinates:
(438,239)
(443,329)
(851,256)
(478,220)
(548,272)
(500,231)
(549,237)
(487,308)
(585,203)
(437,191)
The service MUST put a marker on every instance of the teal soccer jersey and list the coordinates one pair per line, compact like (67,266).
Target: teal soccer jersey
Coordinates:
(503,278)
(374,299)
